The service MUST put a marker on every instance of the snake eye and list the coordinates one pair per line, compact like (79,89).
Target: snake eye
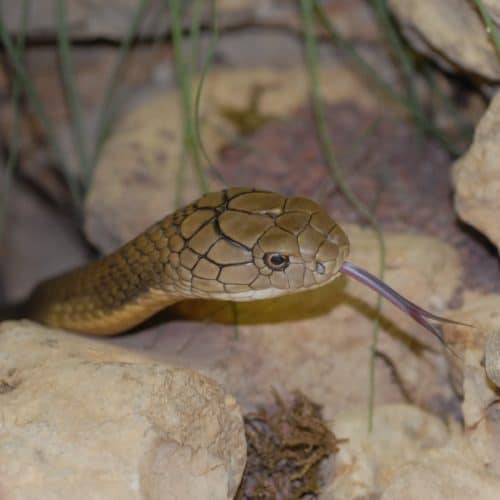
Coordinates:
(276,261)
(320,268)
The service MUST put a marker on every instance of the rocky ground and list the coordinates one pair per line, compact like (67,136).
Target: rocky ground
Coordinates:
(176,405)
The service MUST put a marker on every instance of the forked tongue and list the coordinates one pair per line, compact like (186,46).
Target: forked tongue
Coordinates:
(420,315)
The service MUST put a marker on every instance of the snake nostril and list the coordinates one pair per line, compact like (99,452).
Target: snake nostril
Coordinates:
(320,268)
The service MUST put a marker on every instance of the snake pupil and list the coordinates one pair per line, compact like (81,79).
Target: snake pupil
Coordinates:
(276,261)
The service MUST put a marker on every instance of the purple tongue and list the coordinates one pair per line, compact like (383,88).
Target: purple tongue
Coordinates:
(420,315)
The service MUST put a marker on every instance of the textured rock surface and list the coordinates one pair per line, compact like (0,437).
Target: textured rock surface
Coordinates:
(414,455)
(112,18)
(79,419)
(368,462)
(449,472)
(145,149)
(481,404)
(476,177)
(451,32)
(30,220)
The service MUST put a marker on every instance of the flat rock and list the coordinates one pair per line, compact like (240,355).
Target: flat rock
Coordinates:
(448,472)
(79,419)
(476,176)
(451,32)
(368,461)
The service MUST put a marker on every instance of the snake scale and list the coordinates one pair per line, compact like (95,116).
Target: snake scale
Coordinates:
(239,244)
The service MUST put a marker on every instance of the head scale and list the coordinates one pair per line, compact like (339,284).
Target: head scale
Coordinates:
(245,244)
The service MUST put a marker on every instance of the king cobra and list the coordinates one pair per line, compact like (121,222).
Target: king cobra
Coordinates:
(239,244)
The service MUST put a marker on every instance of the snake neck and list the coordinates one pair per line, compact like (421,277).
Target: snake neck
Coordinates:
(112,294)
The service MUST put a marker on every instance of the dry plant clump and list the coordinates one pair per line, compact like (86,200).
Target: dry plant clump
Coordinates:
(286,444)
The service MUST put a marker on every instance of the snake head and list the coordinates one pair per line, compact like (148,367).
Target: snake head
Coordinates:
(248,244)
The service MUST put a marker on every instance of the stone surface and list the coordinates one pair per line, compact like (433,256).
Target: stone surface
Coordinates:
(449,472)
(480,406)
(476,176)
(451,32)
(367,463)
(414,455)
(79,419)
(145,148)
(112,18)
(28,222)
(492,357)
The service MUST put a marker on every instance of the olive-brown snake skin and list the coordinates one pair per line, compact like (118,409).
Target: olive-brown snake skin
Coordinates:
(240,244)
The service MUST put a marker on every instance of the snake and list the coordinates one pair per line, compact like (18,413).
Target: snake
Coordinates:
(239,244)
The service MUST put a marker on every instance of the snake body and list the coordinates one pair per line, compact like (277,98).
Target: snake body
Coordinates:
(239,244)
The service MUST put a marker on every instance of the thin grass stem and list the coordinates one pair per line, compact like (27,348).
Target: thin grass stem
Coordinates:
(109,104)
(490,25)
(67,72)
(307,11)
(13,153)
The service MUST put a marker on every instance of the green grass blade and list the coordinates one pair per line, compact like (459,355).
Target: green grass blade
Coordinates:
(490,25)
(67,72)
(197,102)
(13,153)
(183,73)
(109,105)
(307,11)
(16,62)
(367,69)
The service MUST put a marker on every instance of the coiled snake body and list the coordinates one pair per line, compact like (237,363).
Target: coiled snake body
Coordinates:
(240,244)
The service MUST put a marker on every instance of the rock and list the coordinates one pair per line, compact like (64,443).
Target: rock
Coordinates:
(451,32)
(492,357)
(367,462)
(30,223)
(111,19)
(476,177)
(493,7)
(475,375)
(449,472)
(413,455)
(81,420)
(145,149)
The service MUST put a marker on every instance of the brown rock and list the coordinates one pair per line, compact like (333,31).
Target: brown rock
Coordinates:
(451,32)
(112,18)
(476,176)
(27,253)
(368,461)
(81,420)
(145,149)
(449,472)
(478,349)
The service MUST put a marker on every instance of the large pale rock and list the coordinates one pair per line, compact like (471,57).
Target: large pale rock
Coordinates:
(451,32)
(448,472)
(146,147)
(475,375)
(477,177)
(367,463)
(79,420)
